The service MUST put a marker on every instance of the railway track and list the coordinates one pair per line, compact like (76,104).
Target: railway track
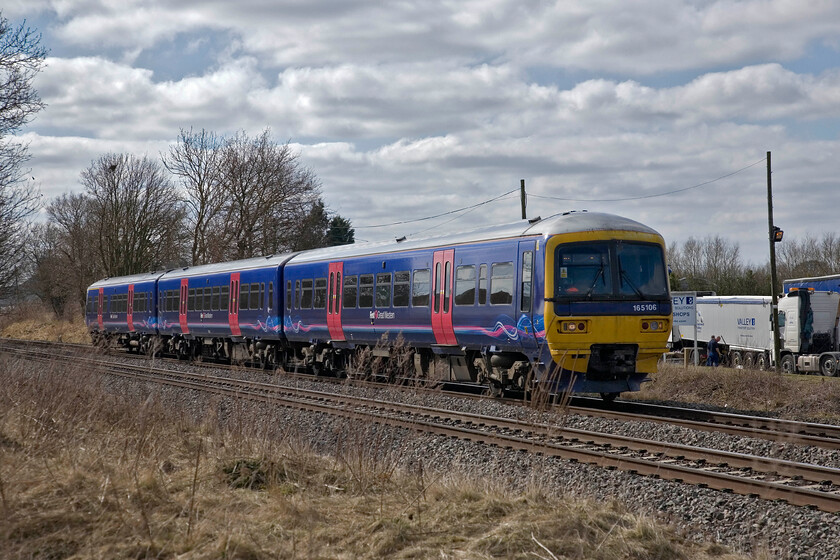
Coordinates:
(826,436)
(799,484)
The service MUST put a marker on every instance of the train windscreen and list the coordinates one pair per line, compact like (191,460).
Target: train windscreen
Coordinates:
(610,270)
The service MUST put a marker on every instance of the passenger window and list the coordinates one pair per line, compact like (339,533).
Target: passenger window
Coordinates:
(215,303)
(191,300)
(501,283)
(330,294)
(383,290)
(420,288)
(289,295)
(208,297)
(270,295)
(297,294)
(243,296)
(527,274)
(436,304)
(224,298)
(306,295)
(482,284)
(402,288)
(320,298)
(254,302)
(465,285)
(350,291)
(366,291)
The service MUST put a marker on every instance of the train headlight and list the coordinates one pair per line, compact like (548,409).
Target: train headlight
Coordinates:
(654,325)
(573,327)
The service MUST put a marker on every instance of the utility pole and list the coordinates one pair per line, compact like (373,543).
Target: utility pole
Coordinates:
(772,233)
(522,196)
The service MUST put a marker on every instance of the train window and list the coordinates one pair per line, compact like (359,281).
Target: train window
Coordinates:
(215,302)
(262,295)
(501,283)
(482,284)
(208,298)
(527,281)
(437,288)
(254,301)
(420,288)
(330,294)
(383,289)
(297,294)
(270,295)
(337,291)
(320,297)
(191,300)
(447,286)
(306,294)
(366,291)
(583,270)
(465,285)
(243,296)
(350,291)
(641,270)
(289,295)
(402,288)
(224,298)
(173,300)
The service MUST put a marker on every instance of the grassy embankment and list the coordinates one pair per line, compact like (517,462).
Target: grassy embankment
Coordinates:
(87,473)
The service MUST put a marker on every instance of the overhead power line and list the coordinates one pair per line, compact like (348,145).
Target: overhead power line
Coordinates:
(675,191)
(438,215)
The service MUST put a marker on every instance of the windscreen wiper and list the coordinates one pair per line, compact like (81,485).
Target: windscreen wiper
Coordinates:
(623,274)
(595,281)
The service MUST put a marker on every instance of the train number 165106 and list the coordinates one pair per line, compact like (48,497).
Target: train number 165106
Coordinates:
(645,307)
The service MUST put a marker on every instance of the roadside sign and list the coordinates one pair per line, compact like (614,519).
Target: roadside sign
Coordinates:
(685,308)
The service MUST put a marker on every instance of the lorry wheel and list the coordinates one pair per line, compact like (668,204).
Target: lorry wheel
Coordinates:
(737,359)
(761,362)
(787,364)
(828,365)
(749,360)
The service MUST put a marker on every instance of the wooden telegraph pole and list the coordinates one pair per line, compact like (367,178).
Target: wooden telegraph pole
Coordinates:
(522,196)
(773,281)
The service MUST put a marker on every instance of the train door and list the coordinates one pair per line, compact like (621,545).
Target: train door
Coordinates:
(442,271)
(182,306)
(525,305)
(99,308)
(130,308)
(334,301)
(233,305)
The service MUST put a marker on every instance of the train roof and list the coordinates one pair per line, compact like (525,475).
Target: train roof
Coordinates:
(567,222)
(123,280)
(270,261)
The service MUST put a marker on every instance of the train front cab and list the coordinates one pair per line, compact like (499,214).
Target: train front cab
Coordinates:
(607,309)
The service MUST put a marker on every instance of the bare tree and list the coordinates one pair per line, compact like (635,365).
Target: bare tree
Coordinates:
(136,213)
(712,263)
(21,58)
(194,160)
(268,194)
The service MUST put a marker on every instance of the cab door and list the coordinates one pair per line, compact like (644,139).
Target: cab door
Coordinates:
(334,301)
(525,294)
(442,272)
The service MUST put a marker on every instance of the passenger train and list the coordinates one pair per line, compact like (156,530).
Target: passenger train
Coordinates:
(578,301)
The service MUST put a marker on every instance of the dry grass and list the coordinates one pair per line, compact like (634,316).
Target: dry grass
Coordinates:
(89,473)
(36,322)
(800,397)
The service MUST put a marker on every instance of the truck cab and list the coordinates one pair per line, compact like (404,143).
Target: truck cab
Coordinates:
(808,331)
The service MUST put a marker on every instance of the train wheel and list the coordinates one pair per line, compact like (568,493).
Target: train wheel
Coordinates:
(761,361)
(609,397)
(828,365)
(788,365)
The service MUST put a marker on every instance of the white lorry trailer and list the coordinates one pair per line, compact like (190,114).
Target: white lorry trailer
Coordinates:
(808,329)
(743,324)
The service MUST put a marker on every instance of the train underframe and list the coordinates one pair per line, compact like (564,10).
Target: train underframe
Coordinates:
(395,362)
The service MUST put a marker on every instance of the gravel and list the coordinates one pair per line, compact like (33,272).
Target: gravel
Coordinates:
(740,522)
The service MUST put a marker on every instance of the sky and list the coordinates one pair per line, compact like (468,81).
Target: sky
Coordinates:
(661,111)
